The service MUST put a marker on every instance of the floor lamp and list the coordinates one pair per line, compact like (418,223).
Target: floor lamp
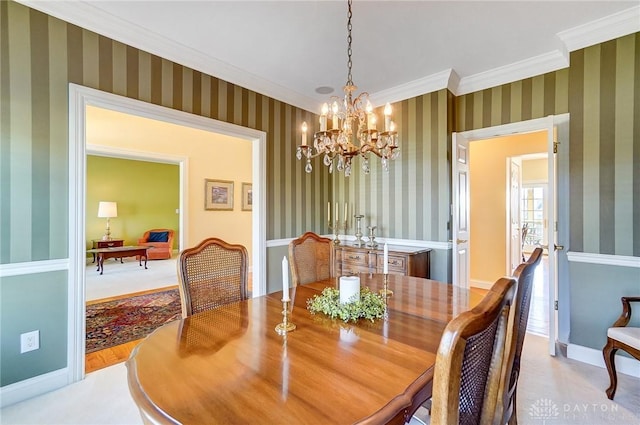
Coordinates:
(107,210)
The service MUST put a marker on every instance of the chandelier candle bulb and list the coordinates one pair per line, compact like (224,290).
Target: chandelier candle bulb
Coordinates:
(387,117)
(335,125)
(323,117)
(285,279)
(349,289)
(385,267)
(304,133)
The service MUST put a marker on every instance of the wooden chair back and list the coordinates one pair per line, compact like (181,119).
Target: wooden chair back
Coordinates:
(212,274)
(470,358)
(524,276)
(310,259)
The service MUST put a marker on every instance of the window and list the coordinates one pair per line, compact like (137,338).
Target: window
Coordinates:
(534,216)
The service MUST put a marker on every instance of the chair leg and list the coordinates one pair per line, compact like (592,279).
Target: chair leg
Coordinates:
(608,352)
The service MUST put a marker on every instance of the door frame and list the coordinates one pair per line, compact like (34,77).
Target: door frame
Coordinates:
(547,124)
(79,98)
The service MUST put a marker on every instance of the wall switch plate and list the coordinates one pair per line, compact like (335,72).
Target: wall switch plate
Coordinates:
(29,341)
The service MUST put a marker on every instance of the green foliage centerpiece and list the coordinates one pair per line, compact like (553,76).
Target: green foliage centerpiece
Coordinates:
(370,306)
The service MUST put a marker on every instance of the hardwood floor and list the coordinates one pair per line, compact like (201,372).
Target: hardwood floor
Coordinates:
(119,353)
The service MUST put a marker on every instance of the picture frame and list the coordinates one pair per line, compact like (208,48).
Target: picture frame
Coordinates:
(247,197)
(218,195)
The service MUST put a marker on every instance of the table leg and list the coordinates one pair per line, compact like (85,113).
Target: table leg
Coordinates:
(145,261)
(101,263)
(94,257)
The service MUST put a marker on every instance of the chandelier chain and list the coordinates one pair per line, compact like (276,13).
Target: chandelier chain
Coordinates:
(349,63)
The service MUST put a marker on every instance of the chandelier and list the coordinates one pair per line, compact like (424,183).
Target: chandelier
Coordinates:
(353,130)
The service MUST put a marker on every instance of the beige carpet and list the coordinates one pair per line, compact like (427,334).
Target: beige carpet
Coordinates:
(572,392)
(128,277)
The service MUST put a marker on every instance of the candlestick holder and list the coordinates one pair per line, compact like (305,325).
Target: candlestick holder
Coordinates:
(336,227)
(359,242)
(385,291)
(286,325)
(372,237)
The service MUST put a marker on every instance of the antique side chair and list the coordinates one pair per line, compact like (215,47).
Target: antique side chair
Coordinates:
(621,337)
(470,360)
(311,258)
(211,274)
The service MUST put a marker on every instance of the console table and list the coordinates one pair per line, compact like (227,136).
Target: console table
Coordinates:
(404,260)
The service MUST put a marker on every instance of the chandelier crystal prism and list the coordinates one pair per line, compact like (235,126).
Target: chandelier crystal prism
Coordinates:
(353,129)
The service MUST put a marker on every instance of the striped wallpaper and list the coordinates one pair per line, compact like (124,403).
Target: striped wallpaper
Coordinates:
(40,55)
(601,91)
(411,200)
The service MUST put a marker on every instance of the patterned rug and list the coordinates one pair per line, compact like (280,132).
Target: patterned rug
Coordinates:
(116,322)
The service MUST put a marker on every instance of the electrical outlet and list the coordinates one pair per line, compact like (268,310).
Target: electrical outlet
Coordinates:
(29,341)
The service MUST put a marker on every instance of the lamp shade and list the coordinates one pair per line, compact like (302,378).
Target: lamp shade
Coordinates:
(107,209)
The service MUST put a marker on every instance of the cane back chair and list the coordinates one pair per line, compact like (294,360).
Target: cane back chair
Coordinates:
(311,258)
(212,274)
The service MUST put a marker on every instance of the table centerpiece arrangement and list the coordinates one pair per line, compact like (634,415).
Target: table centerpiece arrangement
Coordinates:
(368,305)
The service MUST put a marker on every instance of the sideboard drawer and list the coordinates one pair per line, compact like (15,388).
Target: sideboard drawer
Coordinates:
(355,257)
(395,262)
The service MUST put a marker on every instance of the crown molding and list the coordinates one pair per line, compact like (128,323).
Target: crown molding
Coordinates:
(605,29)
(94,19)
(413,88)
(88,16)
(527,68)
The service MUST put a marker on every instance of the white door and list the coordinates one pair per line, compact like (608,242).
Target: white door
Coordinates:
(514,242)
(460,211)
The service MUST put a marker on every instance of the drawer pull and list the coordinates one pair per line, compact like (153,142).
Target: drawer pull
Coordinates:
(354,257)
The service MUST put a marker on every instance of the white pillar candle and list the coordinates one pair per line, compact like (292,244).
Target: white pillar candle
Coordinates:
(349,289)
(285,279)
(385,267)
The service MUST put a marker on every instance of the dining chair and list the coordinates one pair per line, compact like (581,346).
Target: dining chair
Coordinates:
(311,258)
(212,274)
(524,276)
(470,359)
(621,337)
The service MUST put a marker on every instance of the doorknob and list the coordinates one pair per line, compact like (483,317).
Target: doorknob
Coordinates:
(459,241)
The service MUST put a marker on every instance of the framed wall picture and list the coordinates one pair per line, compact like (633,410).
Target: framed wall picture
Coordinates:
(218,195)
(247,197)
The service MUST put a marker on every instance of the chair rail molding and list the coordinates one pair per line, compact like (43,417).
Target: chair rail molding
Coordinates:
(604,259)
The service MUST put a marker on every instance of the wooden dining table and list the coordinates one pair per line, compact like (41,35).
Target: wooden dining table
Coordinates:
(229,366)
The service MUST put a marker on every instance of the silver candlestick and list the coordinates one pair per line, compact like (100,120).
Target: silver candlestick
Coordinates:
(336,227)
(372,237)
(359,240)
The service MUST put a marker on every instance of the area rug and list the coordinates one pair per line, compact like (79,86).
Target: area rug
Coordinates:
(116,322)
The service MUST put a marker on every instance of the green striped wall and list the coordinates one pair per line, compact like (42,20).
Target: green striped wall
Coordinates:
(601,90)
(411,201)
(41,55)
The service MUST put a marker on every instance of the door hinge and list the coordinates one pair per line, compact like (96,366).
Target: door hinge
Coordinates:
(555,147)
(555,305)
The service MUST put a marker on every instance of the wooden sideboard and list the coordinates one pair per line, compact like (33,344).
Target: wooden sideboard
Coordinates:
(404,260)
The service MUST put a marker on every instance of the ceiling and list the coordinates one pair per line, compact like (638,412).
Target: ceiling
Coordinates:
(401,49)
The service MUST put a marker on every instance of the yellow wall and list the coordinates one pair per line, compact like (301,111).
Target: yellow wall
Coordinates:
(488,202)
(535,170)
(210,156)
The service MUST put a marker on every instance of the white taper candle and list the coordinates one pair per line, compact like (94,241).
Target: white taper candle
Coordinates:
(385,268)
(285,279)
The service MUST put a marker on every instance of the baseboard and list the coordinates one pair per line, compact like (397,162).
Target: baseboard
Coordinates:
(594,357)
(481,284)
(29,388)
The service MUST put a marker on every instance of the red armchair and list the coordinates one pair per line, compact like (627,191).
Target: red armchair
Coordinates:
(160,243)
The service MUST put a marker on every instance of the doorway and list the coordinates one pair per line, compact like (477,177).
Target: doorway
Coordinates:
(556,133)
(79,98)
